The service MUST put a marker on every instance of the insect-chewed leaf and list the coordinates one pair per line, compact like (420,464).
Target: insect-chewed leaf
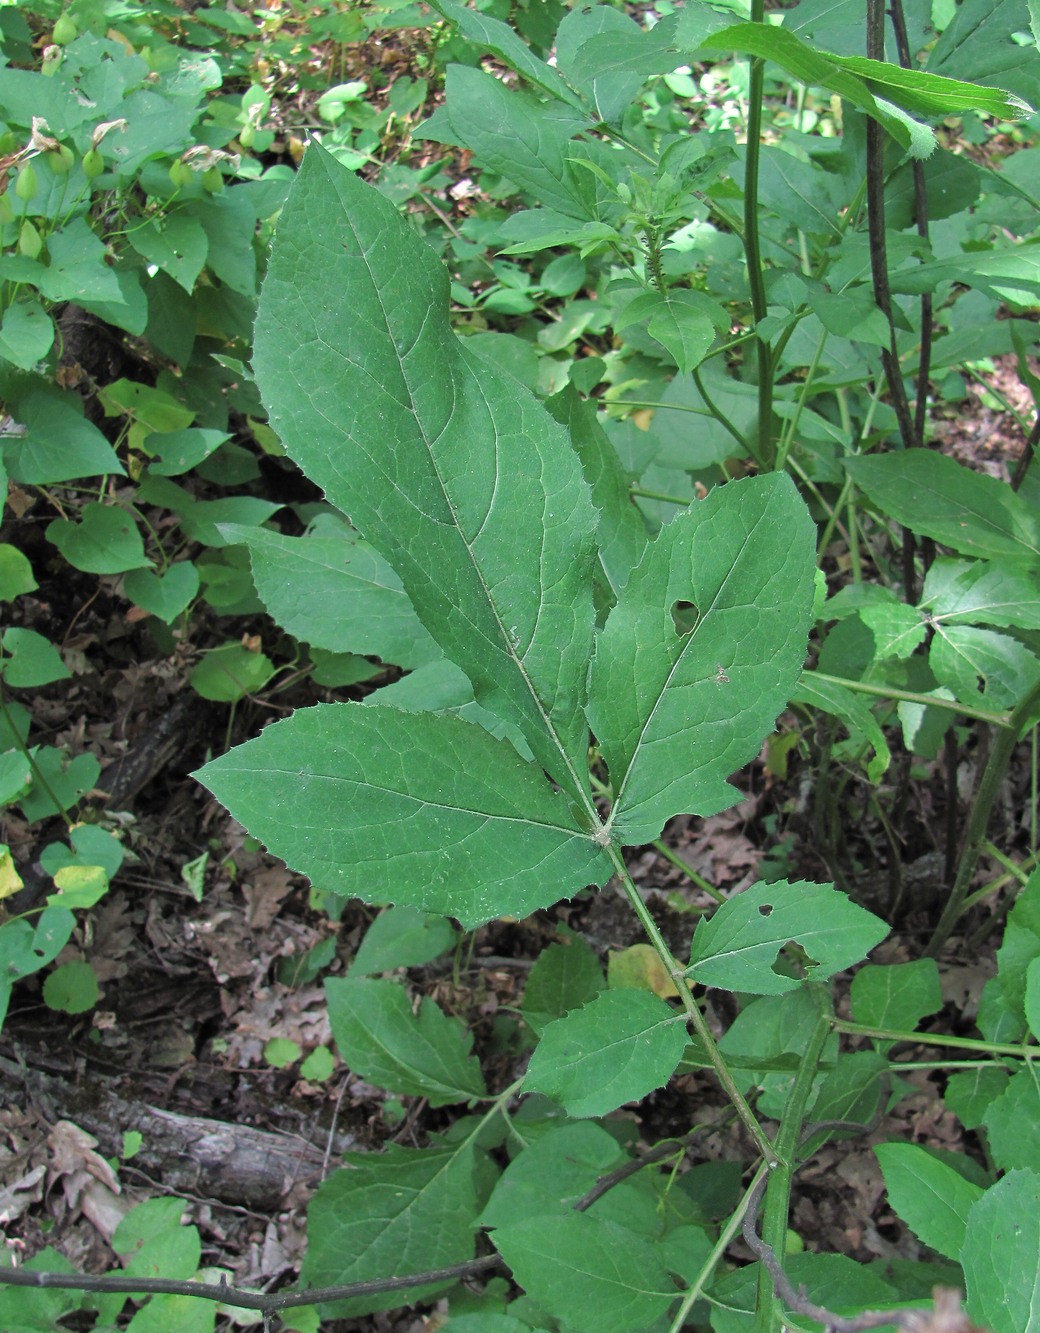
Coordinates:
(376,803)
(702,652)
(451,469)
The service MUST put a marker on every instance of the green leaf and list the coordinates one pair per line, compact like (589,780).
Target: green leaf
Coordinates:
(572,1264)
(59,444)
(552,1173)
(230,672)
(68,780)
(896,995)
(608,57)
(924,94)
(564,977)
(1010,1121)
(980,44)
(981,666)
(16,574)
(518,136)
(405,1210)
(1011,274)
(616,1049)
(78,270)
(453,471)
(822,70)
(831,696)
(999,1255)
(71,988)
(106,540)
(421,1055)
(738,946)
(163,595)
(681,321)
(936,497)
(981,592)
(678,710)
(335,593)
(402,937)
(498,38)
(30,659)
(176,243)
(27,334)
(932,1198)
(969,1094)
(376,803)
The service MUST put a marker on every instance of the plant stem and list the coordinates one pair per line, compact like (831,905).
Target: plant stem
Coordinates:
(700,1027)
(934,1039)
(978,816)
(752,251)
(664,850)
(1002,720)
(718,1250)
(768,1312)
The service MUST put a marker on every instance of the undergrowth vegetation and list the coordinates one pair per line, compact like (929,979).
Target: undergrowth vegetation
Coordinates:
(564,429)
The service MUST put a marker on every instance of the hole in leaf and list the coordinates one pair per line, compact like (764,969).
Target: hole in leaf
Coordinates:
(766,909)
(684,617)
(792,961)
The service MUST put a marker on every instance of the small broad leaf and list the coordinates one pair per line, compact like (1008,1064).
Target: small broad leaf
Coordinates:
(616,1049)
(388,806)
(230,672)
(402,937)
(71,988)
(681,321)
(738,947)
(450,468)
(924,94)
(896,995)
(30,659)
(573,1264)
(163,595)
(26,334)
(702,651)
(552,1173)
(639,967)
(422,1055)
(1009,1121)
(934,496)
(404,1210)
(982,592)
(999,1255)
(1011,274)
(564,977)
(982,666)
(105,541)
(931,1197)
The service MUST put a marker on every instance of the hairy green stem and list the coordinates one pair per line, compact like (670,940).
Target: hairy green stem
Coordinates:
(934,1039)
(768,1312)
(978,816)
(1002,720)
(700,1027)
(756,277)
(717,1251)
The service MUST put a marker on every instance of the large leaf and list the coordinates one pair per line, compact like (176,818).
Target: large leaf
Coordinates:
(552,1173)
(929,1195)
(424,1054)
(1010,274)
(924,94)
(574,1264)
(405,1210)
(616,1049)
(738,947)
(999,1254)
(376,803)
(980,44)
(961,592)
(452,470)
(932,495)
(336,593)
(678,710)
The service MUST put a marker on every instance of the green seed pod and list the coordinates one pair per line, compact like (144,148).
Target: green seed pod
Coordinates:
(246,136)
(180,174)
(30,242)
(6,211)
(65,30)
(26,183)
(212,181)
(61,159)
(93,164)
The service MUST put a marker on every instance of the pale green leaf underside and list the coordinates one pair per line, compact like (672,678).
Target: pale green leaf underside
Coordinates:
(424,1054)
(376,803)
(677,714)
(737,947)
(451,469)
